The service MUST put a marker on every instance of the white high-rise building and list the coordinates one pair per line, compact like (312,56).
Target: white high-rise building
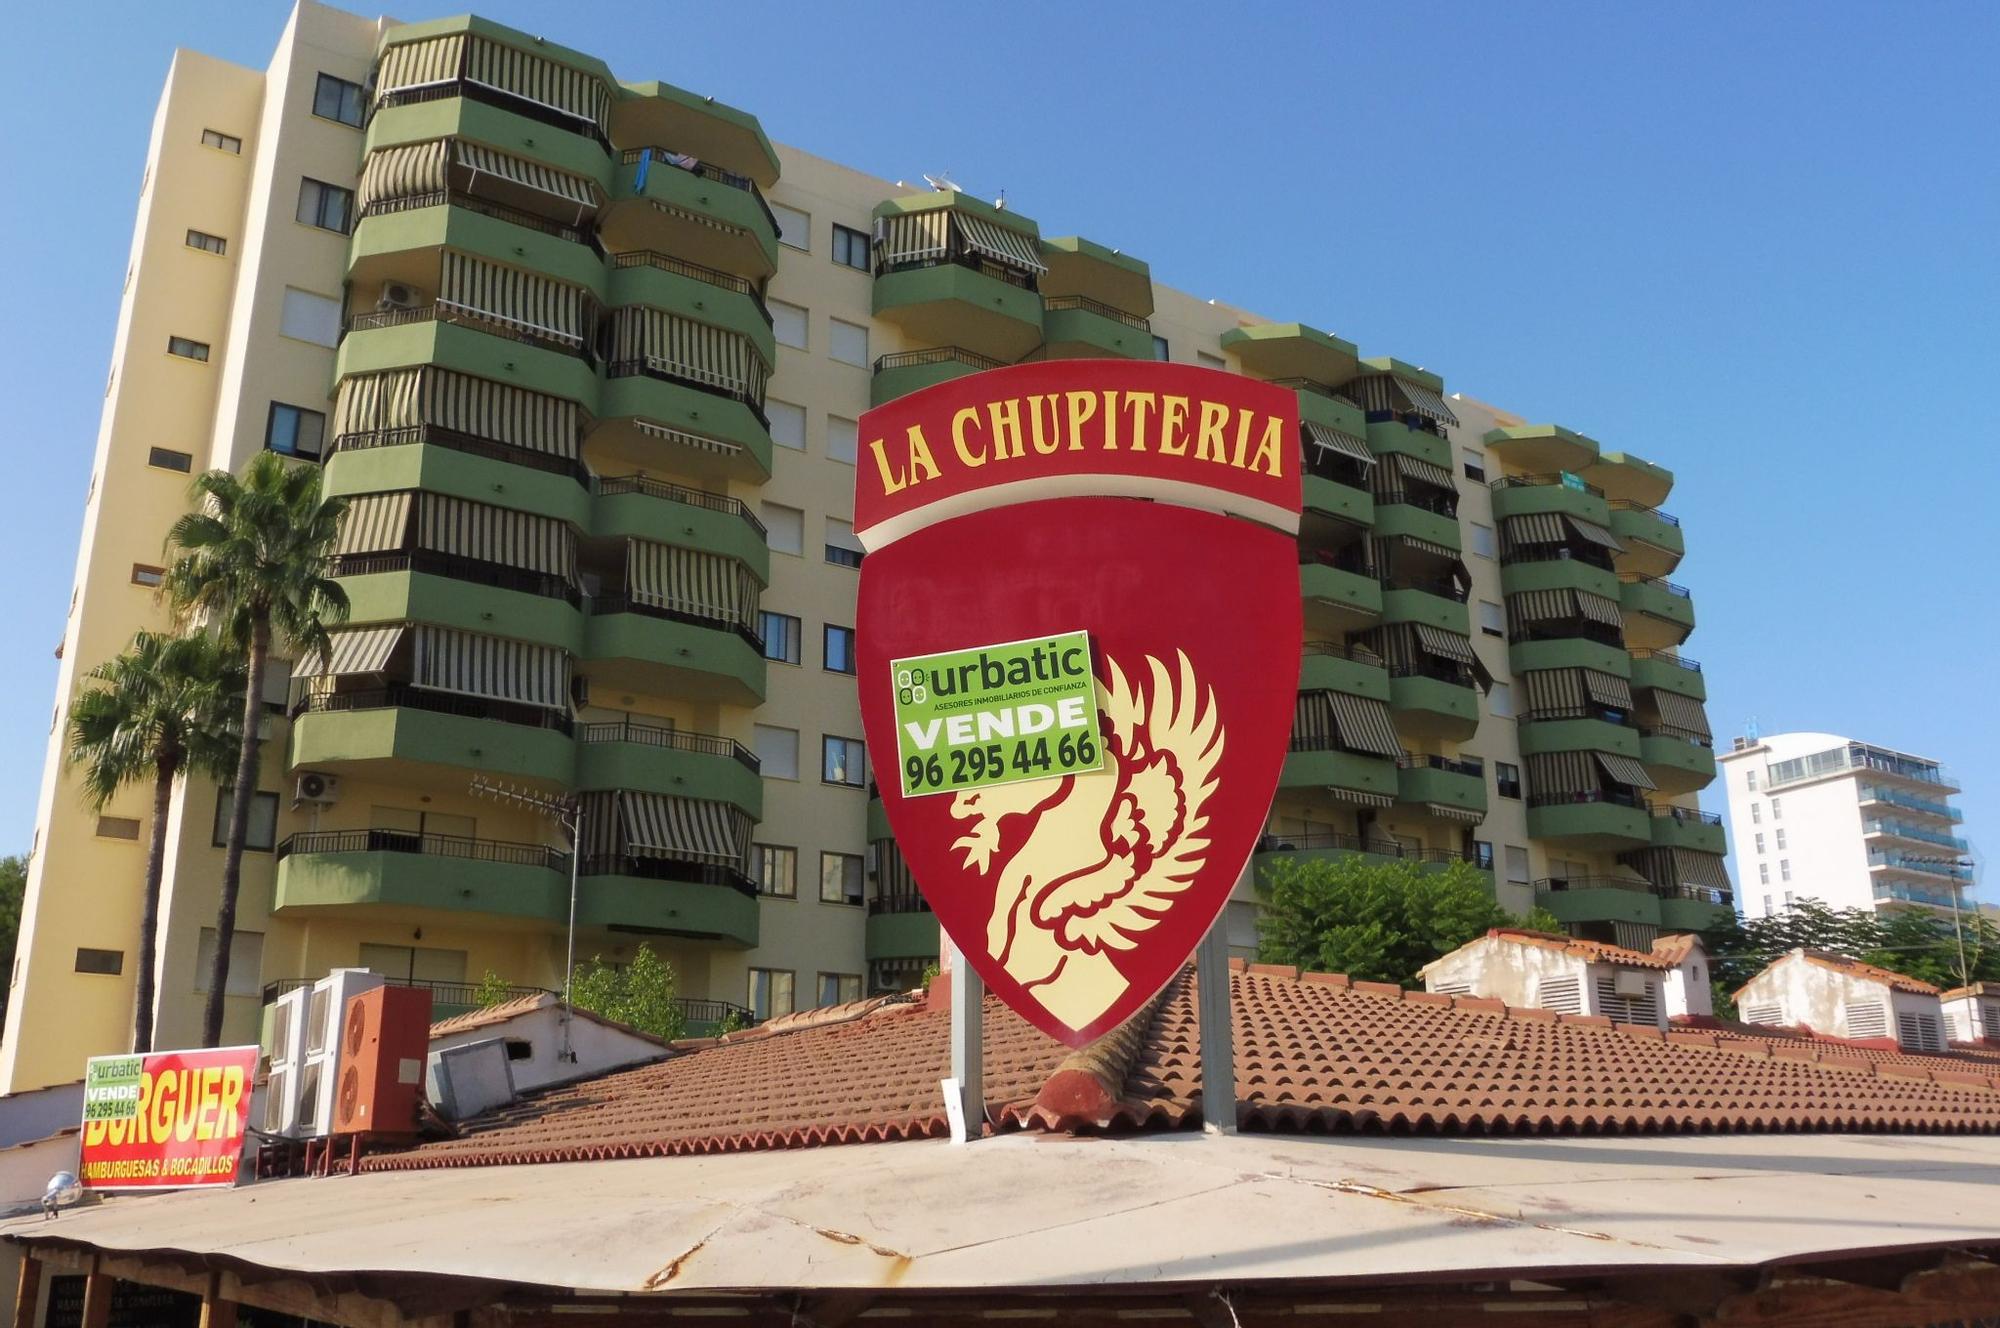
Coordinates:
(1817,816)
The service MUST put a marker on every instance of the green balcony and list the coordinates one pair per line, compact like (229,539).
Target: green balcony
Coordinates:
(1518,497)
(1571,653)
(1697,831)
(1083,267)
(405,246)
(468,349)
(639,417)
(1578,735)
(1626,478)
(407,596)
(1336,498)
(1425,604)
(692,907)
(1292,350)
(1449,784)
(878,821)
(949,304)
(1658,614)
(1326,667)
(1393,436)
(1652,539)
(1540,449)
(1679,913)
(1392,519)
(1558,574)
(439,468)
(408,745)
(1601,904)
(642,652)
(623,754)
(632,507)
(1668,672)
(1676,764)
(352,868)
(1341,770)
(698,294)
(912,371)
(1350,593)
(701,218)
(1433,708)
(905,935)
(1076,327)
(655,112)
(516,135)
(1609,826)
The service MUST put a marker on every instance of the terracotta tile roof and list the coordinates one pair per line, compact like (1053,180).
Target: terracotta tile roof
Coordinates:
(1314,1053)
(1595,952)
(1855,968)
(1804,1043)
(493,1015)
(1975,989)
(1676,948)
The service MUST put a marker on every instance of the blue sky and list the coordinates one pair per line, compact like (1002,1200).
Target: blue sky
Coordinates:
(1753,243)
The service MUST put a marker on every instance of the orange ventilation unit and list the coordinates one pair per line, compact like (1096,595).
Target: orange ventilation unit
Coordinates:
(383,1044)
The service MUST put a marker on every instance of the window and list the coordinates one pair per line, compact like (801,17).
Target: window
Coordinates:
(784,527)
(840,878)
(188,350)
(839,988)
(1474,464)
(1500,700)
(1492,618)
(1760,841)
(262,834)
(211,138)
(1517,864)
(414,963)
(337,99)
(781,636)
(1506,779)
(770,992)
(1763,873)
(108,962)
(246,962)
(1756,813)
(166,458)
(208,244)
(843,439)
(1781,839)
(839,649)
(777,751)
(788,322)
(843,761)
(1784,869)
(842,549)
(775,868)
(117,827)
(1767,908)
(850,247)
(1777,809)
(788,424)
(144,574)
(795,228)
(1482,855)
(326,206)
(1207,361)
(1160,349)
(295,431)
(847,342)
(1482,541)
(310,317)
(1788,899)
(1750,779)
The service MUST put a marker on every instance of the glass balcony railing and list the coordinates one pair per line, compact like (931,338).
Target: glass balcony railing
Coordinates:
(1911,830)
(1911,894)
(1948,868)
(1857,756)
(1910,802)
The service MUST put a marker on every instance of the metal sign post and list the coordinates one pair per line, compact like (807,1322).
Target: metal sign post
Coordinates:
(1218,1046)
(965,1091)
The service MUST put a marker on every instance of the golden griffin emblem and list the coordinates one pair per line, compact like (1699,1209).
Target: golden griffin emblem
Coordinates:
(1083,866)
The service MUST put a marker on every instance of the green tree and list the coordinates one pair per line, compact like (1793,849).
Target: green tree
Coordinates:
(491,991)
(251,560)
(13,890)
(1378,921)
(163,708)
(641,994)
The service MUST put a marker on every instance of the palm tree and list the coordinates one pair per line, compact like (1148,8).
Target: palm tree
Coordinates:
(252,561)
(163,708)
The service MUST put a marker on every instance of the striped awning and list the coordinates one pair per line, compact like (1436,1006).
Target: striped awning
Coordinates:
(1607,689)
(698,218)
(374,523)
(1554,691)
(1445,645)
(1313,728)
(892,869)
(506,295)
(1593,533)
(1533,606)
(683,348)
(1444,811)
(498,412)
(1416,468)
(542,179)
(1426,402)
(602,826)
(1561,774)
(1682,712)
(913,237)
(403,172)
(1360,797)
(491,667)
(1703,869)
(1364,724)
(356,650)
(488,534)
(684,438)
(1600,609)
(1534,528)
(696,829)
(1623,770)
(1399,396)
(368,403)
(1002,244)
(420,64)
(701,585)
(534,78)
(1319,436)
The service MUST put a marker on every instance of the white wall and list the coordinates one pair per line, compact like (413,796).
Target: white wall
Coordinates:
(598,1047)
(1817,997)
(1504,971)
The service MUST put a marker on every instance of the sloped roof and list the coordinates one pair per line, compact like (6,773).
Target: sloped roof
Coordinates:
(1676,948)
(1315,1053)
(1853,968)
(494,1015)
(1974,989)
(1594,952)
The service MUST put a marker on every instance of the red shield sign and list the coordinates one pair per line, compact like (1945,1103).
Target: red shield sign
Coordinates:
(1152,506)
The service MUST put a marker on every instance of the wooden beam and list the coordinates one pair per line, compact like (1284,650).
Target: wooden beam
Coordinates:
(215,1311)
(28,1294)
(97,1289)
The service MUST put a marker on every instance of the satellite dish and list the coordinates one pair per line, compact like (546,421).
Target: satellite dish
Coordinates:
(64,1190)
(944,184)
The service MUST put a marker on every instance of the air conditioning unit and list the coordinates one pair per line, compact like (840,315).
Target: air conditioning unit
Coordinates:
(319,1065)
(395,295)
(315,787)
(384,1042)
(1628,983)
(873,862)
(284,1043)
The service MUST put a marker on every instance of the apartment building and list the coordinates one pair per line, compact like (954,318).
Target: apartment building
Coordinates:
(587,360)
(1845,822)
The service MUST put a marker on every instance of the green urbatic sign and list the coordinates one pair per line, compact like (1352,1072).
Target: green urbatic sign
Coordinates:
(997,714)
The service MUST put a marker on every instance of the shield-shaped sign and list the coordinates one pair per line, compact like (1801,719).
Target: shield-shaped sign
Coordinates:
(1078,648)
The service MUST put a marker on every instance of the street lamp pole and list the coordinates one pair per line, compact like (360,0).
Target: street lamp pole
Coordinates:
(567,813)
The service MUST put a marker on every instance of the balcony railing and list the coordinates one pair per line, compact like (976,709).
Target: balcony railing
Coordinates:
(526,107)
(1858,756)
(1442,587)
(1355,652)
(1617,797)
(1627,505)
(1348,558)
(973,262)
(1317,389)
(911,359)
(1672,657)
(402,696)
(679,740)
(471,571)
(472,445)
(682,871)
(1552,714)
(1457,675)
(1924,834)
(603,605)
(681,267)
(899,903)
(613,485)
(652,368)
(1691,737)
(1922,865)
(1055,303)
(1542,481)
(1910,802)
(1383,848)
(1464,765)
(1705,894)
(463,995)
(1911,894)
(1326,742)
(1590,555)
(1557,884)
(383,207)
(426,844)
(682,161)
(1657,583)
(1685,815)
(1438,502)
(1574,629)
(507,329)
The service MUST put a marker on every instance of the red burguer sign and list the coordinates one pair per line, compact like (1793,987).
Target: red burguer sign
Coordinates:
(165,1119)
(1077,828)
